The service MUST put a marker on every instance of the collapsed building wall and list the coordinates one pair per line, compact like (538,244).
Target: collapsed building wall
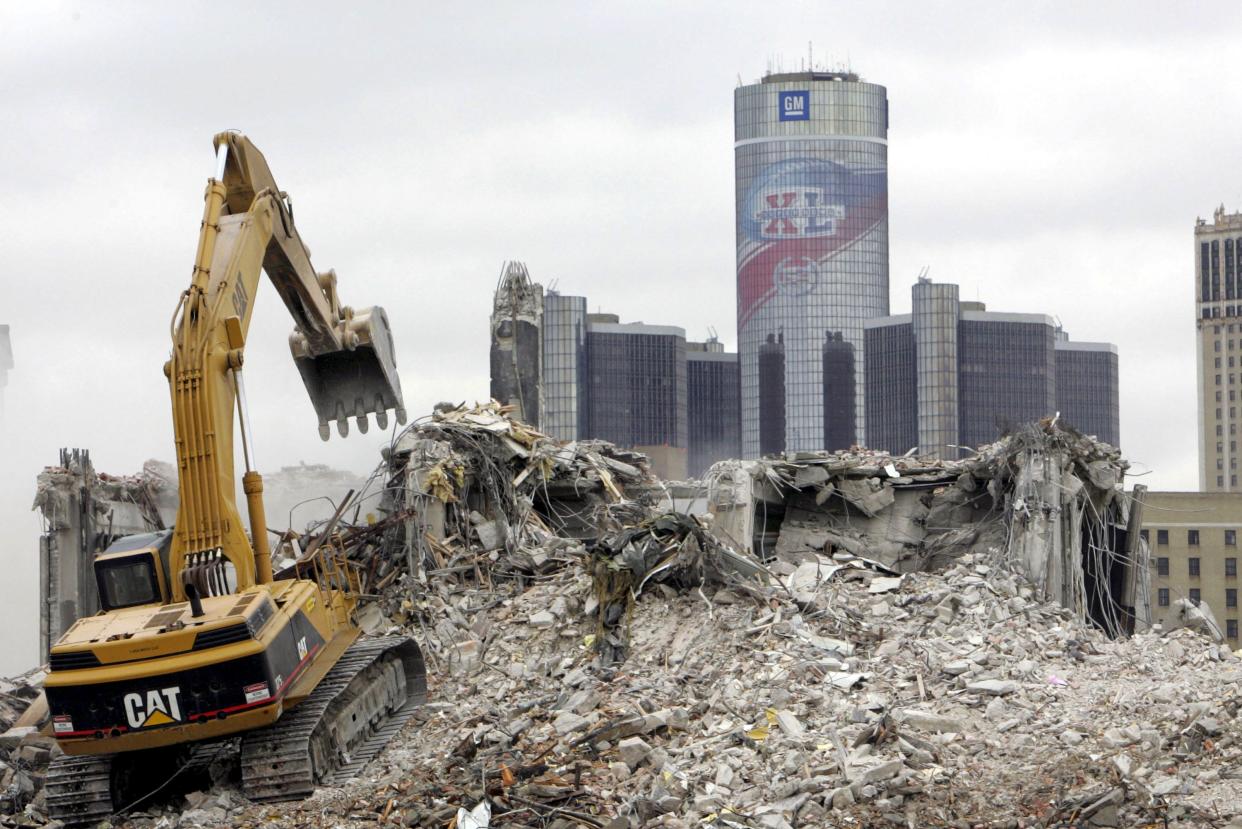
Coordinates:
(517,343)
(1045,502)
(83,512)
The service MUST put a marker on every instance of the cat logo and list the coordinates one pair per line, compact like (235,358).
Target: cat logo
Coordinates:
(302,649)
(156,708)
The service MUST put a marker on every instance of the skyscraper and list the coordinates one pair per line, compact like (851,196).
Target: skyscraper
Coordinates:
(952,374)
(1218,318)
(811,157)
(712,416)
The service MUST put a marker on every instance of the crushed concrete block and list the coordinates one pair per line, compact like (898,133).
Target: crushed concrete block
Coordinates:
(13,737)
(995,687)
(928,721)
(882,772)
(542,619)
(634,750)
(569,722)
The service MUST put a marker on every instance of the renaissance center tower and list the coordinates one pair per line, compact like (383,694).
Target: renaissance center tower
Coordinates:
(811,166)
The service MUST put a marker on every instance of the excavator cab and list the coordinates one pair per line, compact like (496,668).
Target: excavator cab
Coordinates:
(354,381)
(133,571)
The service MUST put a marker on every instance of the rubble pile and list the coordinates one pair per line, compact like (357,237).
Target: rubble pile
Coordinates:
(846,639)
(864,699)
(1046,502)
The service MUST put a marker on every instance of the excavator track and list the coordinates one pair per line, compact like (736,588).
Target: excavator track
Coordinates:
(84,790)
(350,716)
(79,789)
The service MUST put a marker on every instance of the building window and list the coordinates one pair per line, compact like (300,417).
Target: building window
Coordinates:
(1233,480)
(1192,538)
(1231,568)
(1217,344)
(1220,431)
(1218,395)
(1220,464)
(1231,597)
(1193,562)
(1163,596)
(1218,379)
(1231,628)
(1162,566)
(1162,536)
(1194,596)
(1220,481)
(1218,414)
(1231,538)
(1217,365)
(1233,446)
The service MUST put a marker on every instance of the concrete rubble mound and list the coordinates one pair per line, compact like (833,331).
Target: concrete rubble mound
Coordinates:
(845,639)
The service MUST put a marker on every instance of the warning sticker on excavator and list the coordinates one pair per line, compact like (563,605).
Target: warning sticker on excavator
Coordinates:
(310,604)
(62,724)
(257,692)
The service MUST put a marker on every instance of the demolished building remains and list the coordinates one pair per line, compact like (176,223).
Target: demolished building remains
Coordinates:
(1045,502)
(844,639)
(84,511)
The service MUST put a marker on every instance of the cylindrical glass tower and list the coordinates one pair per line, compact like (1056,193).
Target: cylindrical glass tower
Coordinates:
(811,161)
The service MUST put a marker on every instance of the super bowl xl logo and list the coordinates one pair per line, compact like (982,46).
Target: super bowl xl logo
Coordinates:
(797,213)
(156,707)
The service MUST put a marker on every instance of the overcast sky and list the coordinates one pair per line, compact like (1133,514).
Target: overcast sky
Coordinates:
(1045,157)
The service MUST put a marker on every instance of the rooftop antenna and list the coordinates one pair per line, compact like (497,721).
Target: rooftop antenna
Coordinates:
(810,57)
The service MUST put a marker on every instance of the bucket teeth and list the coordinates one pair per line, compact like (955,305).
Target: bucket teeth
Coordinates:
(354,382)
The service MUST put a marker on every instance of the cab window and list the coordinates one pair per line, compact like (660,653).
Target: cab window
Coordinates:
(127,582)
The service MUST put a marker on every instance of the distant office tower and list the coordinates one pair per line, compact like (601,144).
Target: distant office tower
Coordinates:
(713,416)
(517,346)
(840,391)
(637,389)
(811,161)
(952,375)
(771,398)
(564,366)
(579,376)
(1087,387)
(1218,317)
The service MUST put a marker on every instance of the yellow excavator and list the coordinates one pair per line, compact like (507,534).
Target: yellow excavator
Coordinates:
(198,648)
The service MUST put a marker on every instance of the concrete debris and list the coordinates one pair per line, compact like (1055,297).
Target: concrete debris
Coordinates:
(1046,503)
(83,512)
(612,664)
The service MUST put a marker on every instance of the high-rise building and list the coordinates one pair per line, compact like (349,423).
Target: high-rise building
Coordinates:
(517,342)
(952,375)
(564,366)
(1087,388)
(713,416)
(637,389)
(1218,317)
(579,376)
(811,160)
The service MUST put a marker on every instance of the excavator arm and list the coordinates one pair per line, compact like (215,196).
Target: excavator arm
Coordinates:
(345,357)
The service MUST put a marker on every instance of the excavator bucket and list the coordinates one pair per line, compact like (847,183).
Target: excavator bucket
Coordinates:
(356,381)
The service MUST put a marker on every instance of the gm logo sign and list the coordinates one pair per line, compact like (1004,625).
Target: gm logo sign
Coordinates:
(795,106)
